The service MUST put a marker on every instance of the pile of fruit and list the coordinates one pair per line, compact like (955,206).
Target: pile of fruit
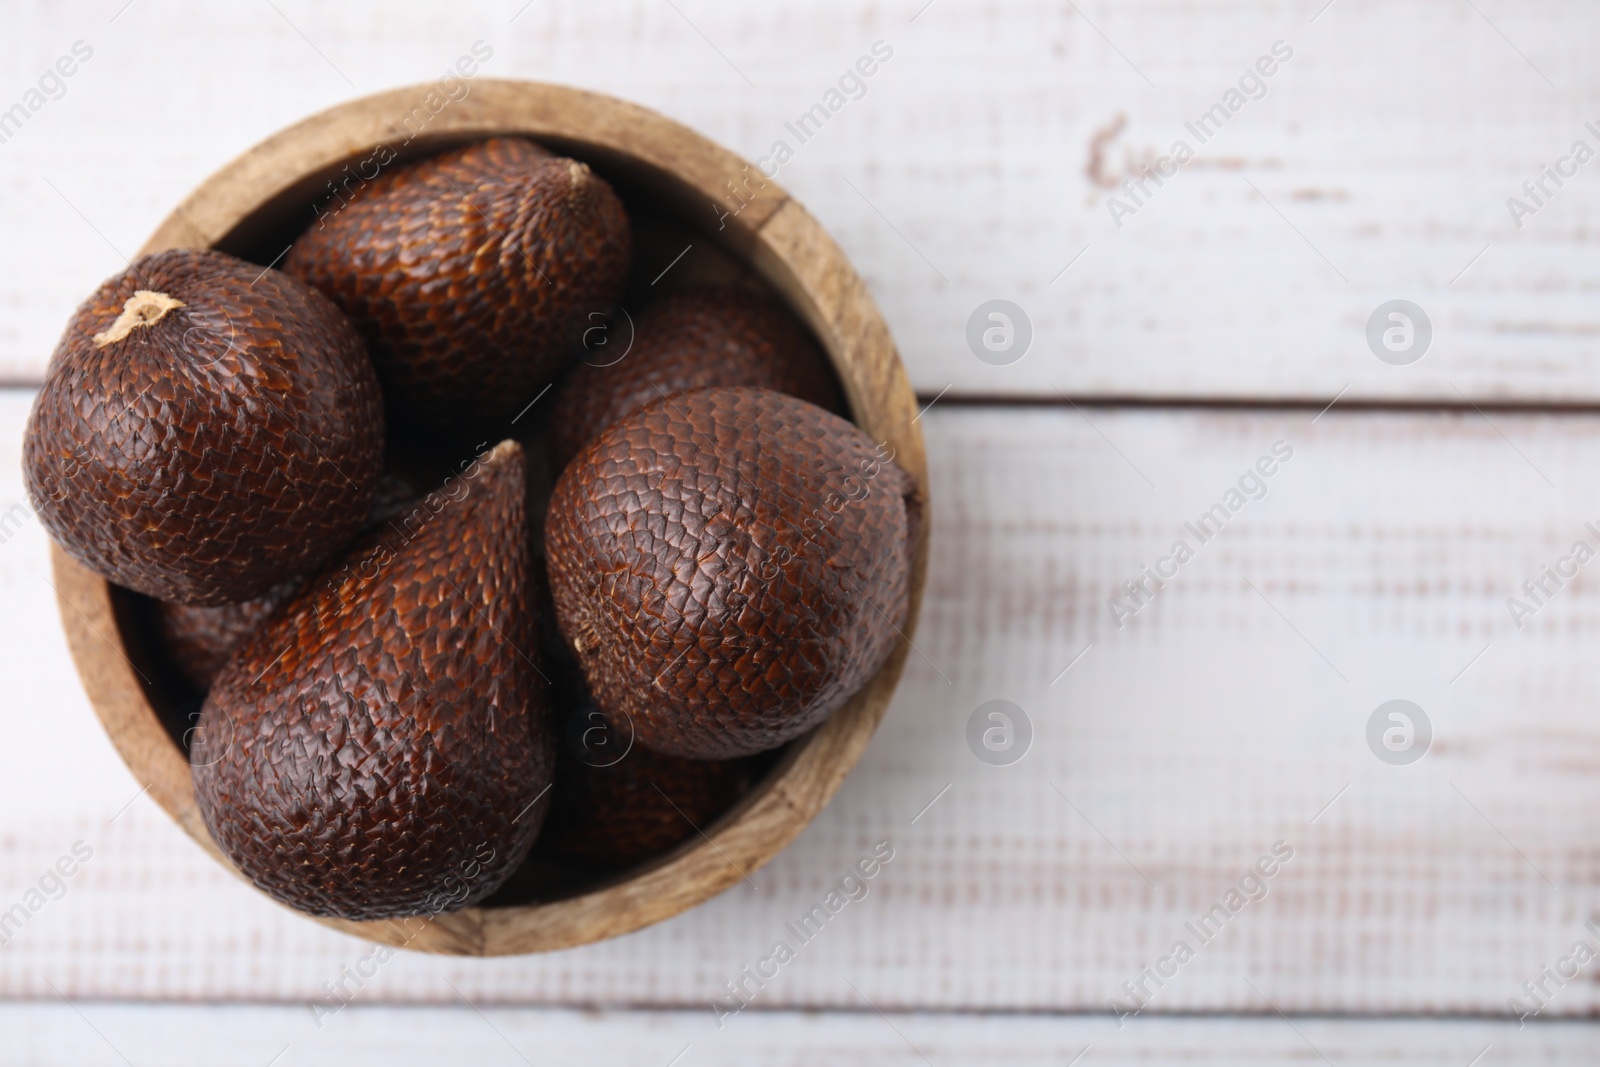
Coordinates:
(431,663)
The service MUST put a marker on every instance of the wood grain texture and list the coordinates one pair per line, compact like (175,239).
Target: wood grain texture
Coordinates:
(43,1034)
(1192,739)
(1384,151)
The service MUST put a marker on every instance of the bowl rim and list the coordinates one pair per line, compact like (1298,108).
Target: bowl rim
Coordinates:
(758,222)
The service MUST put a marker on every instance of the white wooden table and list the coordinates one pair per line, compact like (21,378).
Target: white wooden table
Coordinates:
(1226,313)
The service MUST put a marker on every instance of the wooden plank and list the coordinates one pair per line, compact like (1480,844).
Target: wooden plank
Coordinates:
(1375,167)
(1228,714)
(181,1035)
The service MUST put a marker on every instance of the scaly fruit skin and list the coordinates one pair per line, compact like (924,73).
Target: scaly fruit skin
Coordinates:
(693,339)
(205,456)
(471,274)
(199,640)
(639,807)
(729,565)
(379,748)
(617,803)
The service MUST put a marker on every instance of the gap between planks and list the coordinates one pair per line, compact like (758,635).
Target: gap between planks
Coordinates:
(842,1008)
(946,398)
(1240,403)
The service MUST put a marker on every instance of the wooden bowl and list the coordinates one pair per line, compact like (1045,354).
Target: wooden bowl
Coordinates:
(756,232)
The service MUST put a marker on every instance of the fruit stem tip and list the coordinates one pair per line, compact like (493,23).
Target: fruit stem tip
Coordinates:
(144,308)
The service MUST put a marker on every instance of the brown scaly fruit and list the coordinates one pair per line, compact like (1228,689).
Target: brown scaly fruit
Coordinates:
(729,565)
(694,339)
(471,274)
(379,749)
(206,430)
(621,813)
(616,803)
(199,639)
